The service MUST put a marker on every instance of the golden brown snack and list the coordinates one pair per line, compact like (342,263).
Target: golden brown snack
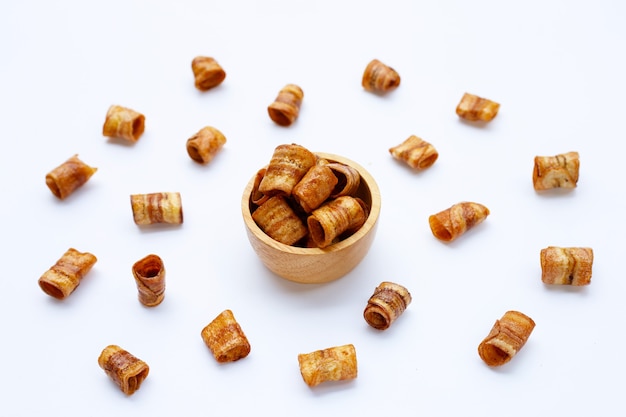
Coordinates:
(204,145)
(415,152)
(386,304)
(256,197)
(379,78)
(330,221)
(123,123)
(289,163)
(348,179)
(506,338)
(452,222)
(126,370)
(566,266)
(157,208)
(278,220)
(286,108)
(560,171)
(475,108)
(224,337)
(149,273)
(207,73)
(65,275)
(337,363)
(315,187)
(67,177)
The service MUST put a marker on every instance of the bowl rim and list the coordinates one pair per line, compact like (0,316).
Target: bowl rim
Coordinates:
(369,224)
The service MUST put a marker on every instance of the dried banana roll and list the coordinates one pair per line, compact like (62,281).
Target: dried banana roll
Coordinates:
(474,108)
(386,304)
(207,73)
(559,171)
(289,163)
(127,371)
(348,179)
(279,221)
(315,187)
(157,208)
(338,363)
(566,266)
(149,273)
(124,123)
(507,336)
(66,274)
(286,108)
(379,78)
(204,145)
(69,176)
(225,338)
(451,223)
(415,152)
(330,221)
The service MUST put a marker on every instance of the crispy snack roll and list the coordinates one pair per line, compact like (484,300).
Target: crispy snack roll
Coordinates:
(330,221)
(279,221)
(348,179)
(560,171)
(67,177)
(207,73)
(204,145)
(386,304)
(475,108)
(379,78)
(415,152)
(506,338)
(286,108)
(452,222)
(337,363)
(225,339)
(315,187)
(566,266)
(127,371)
(65,275)
(149,273)
(289,163)
(123,123)
(157,208)
(256,197)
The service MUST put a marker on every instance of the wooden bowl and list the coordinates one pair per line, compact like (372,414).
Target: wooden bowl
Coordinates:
(314,265)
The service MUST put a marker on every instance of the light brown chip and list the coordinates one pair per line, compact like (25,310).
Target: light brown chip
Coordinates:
(315,187)
(560,171)
(566,266)
(157,208)
(65,275)
(207,72)
(474,108)
(286,108)
(415,152)
(256,197)
(337,363)
(506,338)
(123,123)
(452,222)
(348,179)
(386,304)
(67,177)
(126,370)
(379,78)
(204,145)
(279,221)
(289,163)
(149,273)
(330,221)
(224,337)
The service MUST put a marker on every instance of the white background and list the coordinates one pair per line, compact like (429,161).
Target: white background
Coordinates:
(556,67)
